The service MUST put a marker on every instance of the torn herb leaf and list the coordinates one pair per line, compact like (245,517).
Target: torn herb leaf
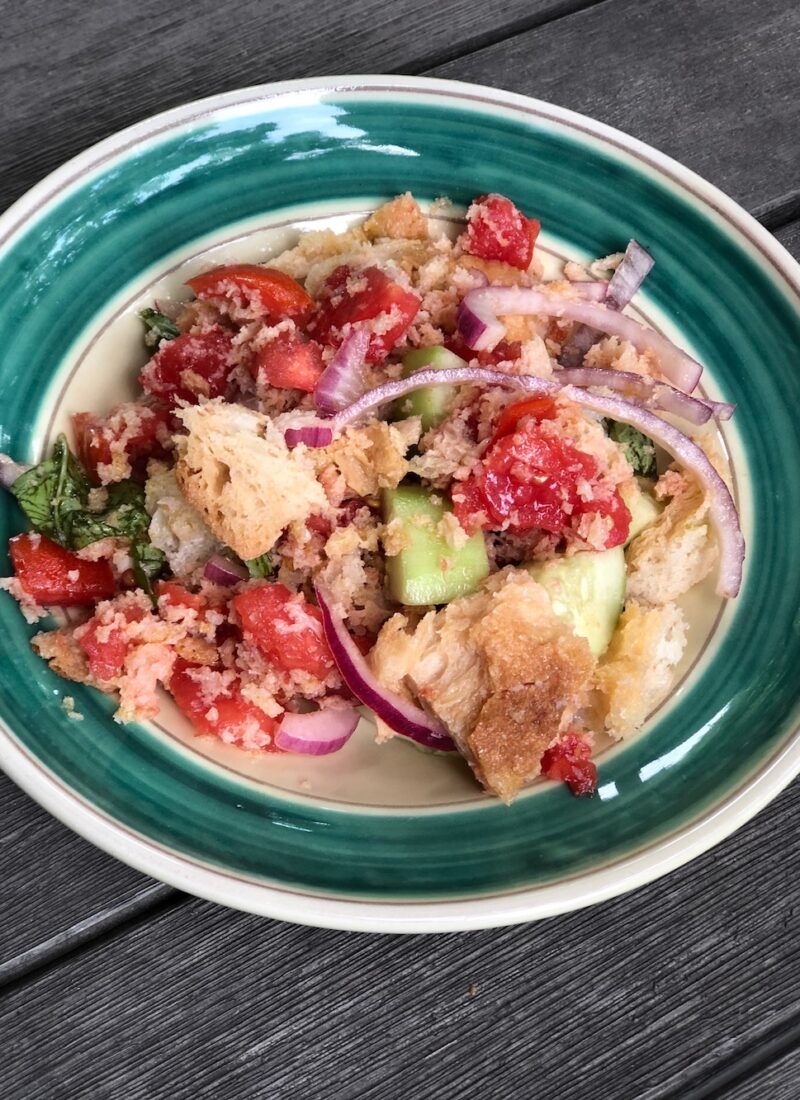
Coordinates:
(148,563)
(260,566)
(639,449)
(53,493)
(158,327)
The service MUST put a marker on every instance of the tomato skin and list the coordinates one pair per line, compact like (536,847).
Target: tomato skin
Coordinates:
(540,408)
(498,230)
(285,628)
(569,761)
(142,427)
(264,288)
(43,568)
(289,363)
(189,367)
(372,293)
(235,718)
(532,480)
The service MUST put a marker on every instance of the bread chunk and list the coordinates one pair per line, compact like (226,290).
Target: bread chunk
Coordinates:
(498,669)
(638,668)
(234,467)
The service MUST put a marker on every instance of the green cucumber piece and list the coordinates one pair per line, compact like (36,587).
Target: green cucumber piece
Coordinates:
(587,592)
(432,403)
(642,505)
(428,570)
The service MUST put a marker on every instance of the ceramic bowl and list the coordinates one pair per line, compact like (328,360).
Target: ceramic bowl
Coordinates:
(388,838)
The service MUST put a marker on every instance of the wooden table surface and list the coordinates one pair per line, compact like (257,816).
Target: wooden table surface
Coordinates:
(114,985)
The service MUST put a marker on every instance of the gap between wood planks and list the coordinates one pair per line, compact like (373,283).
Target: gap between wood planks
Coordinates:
(501,33)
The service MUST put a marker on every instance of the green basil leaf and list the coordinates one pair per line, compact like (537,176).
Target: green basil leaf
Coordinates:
(158,327)
(52,493)
(148,563)
(639,449)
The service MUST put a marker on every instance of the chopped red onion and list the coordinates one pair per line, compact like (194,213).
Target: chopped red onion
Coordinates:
(10,471)
(170,308)
(313,435)
(398,713)
(629,276)
(593,289)
(343,380)
(318,733)
(574,350)
(480,328)
(221,570)
(654,394)
(723,509)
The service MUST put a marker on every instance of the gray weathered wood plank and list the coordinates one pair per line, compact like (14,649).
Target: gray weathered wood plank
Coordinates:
(629,999)
(71,76)
(716,85)
(54,881)
(779,1081)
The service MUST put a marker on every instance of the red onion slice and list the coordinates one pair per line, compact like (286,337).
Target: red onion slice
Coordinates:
(313,435)
(656,395)
(629,276)
(722,508)
(478,325)
(398,713)
(221,570)
(318,733)
(343,380)
(10,471)
(593,289)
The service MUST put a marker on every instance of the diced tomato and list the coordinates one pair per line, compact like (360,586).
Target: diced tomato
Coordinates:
(530,480)
(364,643)
(569,761)
(264,289)
(503,352)
(497,230)
(227,715)
(540,408)
(351,297)
(285,628)
(107,647)
(179,596)
(189,367)
(57,577)
(140,431)
(289,362)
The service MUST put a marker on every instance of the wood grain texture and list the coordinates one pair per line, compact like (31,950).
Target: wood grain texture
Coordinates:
(715,85)
(73,73)
(633,998)
(779,1081)
(57,888)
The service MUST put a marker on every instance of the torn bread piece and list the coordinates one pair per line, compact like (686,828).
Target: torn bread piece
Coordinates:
(499,669)
(638,668)
(234,467)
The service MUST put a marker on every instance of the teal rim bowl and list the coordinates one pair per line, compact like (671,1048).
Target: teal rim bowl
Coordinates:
(108,224)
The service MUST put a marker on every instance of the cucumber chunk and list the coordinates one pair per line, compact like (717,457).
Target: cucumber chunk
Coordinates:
(587,592)
(432,403)
(428,570)
(642,505)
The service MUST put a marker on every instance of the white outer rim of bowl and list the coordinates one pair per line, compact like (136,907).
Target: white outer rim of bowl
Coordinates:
(276,902)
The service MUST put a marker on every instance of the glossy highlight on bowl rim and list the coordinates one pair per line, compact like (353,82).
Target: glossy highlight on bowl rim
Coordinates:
(705,768)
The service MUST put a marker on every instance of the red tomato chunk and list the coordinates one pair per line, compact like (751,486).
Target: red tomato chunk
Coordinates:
(497,230)
(227,715)
(530,480)
(137,431)
(56,577)
(106,648)
(370,297)
(264,289)
(189,367)
(285,628)
(569,761)
(290,363)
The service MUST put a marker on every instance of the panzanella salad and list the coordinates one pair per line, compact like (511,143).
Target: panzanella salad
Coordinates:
(395,470)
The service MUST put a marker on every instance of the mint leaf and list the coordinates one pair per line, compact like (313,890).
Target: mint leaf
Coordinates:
(639,449)
(158,327)
(260,566)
